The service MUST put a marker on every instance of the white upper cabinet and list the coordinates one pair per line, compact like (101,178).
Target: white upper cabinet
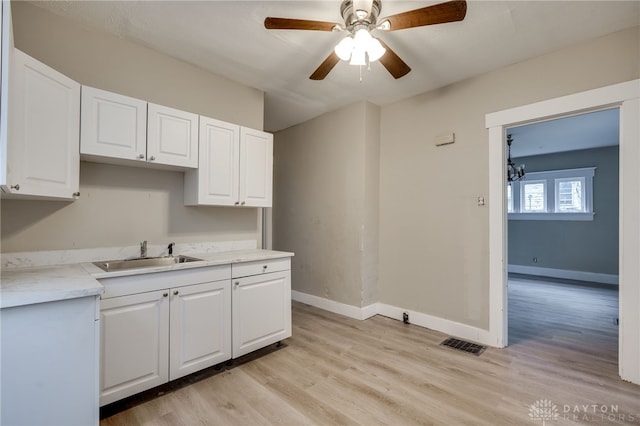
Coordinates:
(40,143)
(235,167)
(256,168)
(113,125)
(172,136)
(216,180)
(120,129)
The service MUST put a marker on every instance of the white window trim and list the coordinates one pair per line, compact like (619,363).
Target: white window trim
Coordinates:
(550,176)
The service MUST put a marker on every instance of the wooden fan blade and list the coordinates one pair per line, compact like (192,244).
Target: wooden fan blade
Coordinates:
(297,24)
(450,11)
(392,62)
(325,67)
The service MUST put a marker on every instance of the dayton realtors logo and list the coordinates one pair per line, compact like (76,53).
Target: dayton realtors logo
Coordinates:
(544,410)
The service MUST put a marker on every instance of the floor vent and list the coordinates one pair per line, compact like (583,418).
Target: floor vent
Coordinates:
(464,346)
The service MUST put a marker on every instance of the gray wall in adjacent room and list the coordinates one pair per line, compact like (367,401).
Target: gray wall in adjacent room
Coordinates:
(587,246)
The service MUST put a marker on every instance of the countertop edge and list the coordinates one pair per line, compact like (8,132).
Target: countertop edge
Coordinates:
(33,285)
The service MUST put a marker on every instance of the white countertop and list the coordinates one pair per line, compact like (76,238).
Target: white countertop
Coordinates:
(39,284)
(26,286)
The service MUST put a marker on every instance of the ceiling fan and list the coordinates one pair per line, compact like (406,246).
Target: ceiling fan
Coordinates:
(360,18)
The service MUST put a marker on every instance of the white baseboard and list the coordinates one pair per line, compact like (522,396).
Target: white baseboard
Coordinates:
(593,277)
(335,307)
(442,325)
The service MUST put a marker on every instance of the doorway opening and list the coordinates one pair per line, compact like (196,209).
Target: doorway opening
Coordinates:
(626,97)
(562,235)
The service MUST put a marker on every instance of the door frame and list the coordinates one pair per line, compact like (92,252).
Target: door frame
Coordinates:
(626,97)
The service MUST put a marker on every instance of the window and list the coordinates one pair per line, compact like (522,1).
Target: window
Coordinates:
(570,195)
(533,196)
(552,195)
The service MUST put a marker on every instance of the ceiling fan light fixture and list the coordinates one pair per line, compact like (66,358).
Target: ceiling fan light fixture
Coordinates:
(344,48)
(375,50)
(358,56)
(360,17)
(360,48)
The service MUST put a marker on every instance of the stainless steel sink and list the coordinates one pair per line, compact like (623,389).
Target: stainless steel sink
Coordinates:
(144,262)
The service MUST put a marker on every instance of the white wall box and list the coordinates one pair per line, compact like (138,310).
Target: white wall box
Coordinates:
(161,326)
(235,167)
(123,130)
(40,129)
(49,363)
(261,304)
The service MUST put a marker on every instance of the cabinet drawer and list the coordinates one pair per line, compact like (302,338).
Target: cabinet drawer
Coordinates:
(122,286)
(258,267)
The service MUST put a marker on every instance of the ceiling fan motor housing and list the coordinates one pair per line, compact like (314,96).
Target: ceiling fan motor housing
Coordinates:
(356,19)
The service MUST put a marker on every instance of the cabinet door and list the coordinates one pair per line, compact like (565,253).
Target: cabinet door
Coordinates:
(216,181)
(134,344)
(172,136)
(113,125)
(256,168)
(200,327)
(43,130)
(261,311)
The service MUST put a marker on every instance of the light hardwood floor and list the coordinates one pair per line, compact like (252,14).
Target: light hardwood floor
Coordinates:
(335,370)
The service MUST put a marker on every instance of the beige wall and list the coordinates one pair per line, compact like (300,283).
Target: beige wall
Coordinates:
(326,203)
(120,206)
(432,254)
(434,246)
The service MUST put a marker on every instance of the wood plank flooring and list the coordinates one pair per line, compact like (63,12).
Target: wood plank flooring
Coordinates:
(339,371)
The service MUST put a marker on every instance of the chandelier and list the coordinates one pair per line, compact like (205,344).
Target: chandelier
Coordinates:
(514,173)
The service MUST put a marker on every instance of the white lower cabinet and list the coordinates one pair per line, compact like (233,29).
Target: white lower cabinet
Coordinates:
(134,344)
(200,327)
(162,326)
(152,337)
(261,306)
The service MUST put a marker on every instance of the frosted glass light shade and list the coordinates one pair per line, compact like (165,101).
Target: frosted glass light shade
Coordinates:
(360,48)
(362,37)
(357,57)
(375,50)
(344,48)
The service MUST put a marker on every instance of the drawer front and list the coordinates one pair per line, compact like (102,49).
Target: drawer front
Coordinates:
(133,284)
(246,269)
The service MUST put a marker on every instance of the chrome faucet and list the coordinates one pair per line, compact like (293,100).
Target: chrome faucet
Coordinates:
(143,249)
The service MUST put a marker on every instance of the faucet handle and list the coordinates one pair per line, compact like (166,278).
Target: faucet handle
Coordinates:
(170,247)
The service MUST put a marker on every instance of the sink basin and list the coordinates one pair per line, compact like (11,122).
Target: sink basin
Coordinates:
(144,262)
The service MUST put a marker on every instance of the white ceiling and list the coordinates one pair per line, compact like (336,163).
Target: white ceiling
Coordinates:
(228,38)
(585,131)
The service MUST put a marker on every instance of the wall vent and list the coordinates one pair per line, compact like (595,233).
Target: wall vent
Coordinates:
(461,345)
